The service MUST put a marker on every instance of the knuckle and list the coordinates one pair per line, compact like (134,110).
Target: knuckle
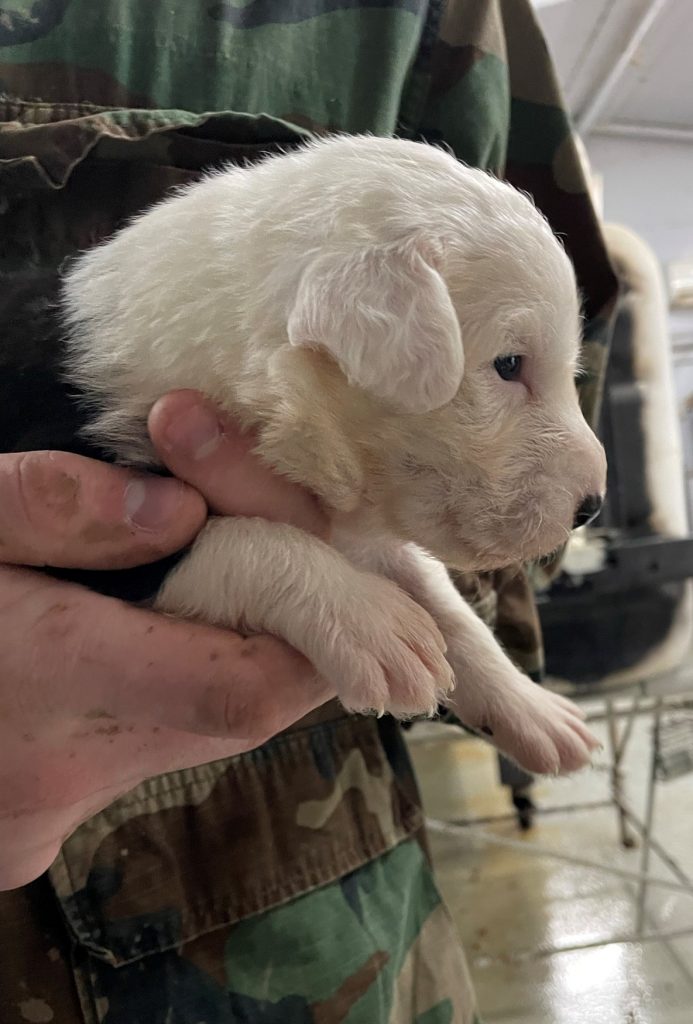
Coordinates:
(48,492)
(220,712)
(258,718)
(254,721)
(265,720)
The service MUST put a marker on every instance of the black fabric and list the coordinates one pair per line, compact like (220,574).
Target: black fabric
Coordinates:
(39,410)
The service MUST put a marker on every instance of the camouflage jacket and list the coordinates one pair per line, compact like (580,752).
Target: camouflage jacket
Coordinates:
(290,885)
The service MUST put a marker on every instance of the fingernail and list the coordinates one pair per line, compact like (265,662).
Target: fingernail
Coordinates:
(196,432)
(151,504)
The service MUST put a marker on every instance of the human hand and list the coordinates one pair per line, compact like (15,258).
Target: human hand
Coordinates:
(97,695)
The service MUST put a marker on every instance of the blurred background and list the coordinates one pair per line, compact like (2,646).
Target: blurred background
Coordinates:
(626,69)
(574,896)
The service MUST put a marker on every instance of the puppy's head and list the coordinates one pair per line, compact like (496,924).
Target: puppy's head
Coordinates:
(450,313)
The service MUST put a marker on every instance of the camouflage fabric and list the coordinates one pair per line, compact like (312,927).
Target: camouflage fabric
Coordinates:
(290,884)
(157,907)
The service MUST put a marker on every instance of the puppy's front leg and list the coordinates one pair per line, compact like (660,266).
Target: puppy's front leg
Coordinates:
(362,633)
(541,730)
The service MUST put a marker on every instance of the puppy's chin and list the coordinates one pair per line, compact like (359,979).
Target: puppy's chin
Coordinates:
(467,557)
(473,556)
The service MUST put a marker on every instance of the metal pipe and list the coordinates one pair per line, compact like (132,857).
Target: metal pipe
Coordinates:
(657,848)
(437,731)
(618,748)
(648,822)
(644,132)
(542,812)
(444,827)
(587,118)
(480,962)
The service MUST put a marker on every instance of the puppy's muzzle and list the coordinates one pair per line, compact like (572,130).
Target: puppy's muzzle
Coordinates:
(588,510)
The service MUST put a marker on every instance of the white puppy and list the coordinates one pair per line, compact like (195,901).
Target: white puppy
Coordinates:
(402,333)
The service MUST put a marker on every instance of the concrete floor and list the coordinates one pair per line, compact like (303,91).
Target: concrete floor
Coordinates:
(519,912)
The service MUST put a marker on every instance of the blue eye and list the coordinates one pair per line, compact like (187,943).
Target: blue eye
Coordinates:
(508,367)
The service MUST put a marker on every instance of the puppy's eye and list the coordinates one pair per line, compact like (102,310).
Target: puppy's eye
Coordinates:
(508,367)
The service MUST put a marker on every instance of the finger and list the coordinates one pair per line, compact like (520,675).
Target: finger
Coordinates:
(67,511)
(210,452)
(94,654)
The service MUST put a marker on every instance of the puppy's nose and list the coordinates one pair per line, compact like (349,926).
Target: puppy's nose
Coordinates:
(588,510)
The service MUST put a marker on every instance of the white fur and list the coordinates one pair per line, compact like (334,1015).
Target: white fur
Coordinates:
(348,302)
(372,310)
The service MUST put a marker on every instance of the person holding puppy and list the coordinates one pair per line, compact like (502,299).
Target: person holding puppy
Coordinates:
(278,873)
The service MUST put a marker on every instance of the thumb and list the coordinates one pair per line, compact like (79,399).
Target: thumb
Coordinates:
(67,511)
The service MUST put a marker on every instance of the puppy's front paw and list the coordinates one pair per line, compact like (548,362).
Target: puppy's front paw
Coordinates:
(542,731)
(385,653)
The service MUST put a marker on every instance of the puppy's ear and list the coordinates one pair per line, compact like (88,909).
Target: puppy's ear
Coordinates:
(386,316)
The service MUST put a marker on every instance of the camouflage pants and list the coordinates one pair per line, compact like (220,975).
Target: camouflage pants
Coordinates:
(152,913)
(376,947)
